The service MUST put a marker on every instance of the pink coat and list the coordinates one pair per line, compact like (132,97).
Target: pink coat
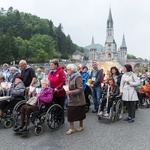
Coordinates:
(46,96)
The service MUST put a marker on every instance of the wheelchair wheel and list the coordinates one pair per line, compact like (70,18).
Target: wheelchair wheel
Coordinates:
(17,110)
(99,118)
(87,107)
(112,114)
(55,116)
(7,123)
(38,130)
(113,119)
(119,110)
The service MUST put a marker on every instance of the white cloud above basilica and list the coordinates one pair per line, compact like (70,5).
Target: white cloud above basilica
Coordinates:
(83,19)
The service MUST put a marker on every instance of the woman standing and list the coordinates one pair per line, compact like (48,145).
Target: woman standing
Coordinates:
(57,79)
(76,104)
(129,81)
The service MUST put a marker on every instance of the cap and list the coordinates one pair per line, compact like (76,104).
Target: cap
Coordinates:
(19,77)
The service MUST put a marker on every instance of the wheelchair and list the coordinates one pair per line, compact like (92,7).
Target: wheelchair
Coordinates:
(8,111)
(116,111)
(52,114)
(146,102)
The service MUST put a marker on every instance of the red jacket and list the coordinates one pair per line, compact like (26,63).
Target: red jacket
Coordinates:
(57,80)
(146,91)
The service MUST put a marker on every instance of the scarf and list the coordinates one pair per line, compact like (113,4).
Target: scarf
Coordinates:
(72,76)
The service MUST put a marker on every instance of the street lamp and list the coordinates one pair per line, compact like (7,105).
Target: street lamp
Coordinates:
(148,66)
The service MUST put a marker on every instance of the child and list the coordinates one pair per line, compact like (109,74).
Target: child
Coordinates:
(110,92)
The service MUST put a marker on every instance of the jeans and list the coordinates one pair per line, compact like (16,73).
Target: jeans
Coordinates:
(96,94)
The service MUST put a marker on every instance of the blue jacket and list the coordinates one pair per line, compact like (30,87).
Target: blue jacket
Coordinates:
(85,76)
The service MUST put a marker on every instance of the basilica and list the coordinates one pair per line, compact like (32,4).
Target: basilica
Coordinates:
(110,51)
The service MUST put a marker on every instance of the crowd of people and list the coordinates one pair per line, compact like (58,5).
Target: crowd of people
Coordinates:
(69,86)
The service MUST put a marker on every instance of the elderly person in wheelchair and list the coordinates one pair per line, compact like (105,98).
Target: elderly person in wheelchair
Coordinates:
(33,104)
(16,92)
(109,94)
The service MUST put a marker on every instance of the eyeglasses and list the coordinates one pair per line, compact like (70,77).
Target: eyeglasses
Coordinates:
(22,65)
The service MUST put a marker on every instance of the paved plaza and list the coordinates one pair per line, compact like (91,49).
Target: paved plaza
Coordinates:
(98,135)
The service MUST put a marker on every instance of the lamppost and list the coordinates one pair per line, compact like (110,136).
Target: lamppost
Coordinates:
(148,66)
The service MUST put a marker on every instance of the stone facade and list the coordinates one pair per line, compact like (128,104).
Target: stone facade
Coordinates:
(110,51)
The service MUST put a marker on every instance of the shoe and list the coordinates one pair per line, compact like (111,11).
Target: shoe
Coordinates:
(144,104)
(94,111)
(70,131)
(106,115)
(16,129)
(100,113)
(24,130)
(79,129)
(131,120)
(127,119)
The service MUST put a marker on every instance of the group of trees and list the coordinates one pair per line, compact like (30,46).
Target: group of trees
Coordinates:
(26,36)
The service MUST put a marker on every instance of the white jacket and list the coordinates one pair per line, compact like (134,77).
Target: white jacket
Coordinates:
(128,90)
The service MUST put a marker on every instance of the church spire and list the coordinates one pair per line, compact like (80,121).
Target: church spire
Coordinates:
(93,48)
(110,20)
(123,45)
(92,43)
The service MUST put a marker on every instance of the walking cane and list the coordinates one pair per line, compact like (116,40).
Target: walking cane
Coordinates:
(107,98)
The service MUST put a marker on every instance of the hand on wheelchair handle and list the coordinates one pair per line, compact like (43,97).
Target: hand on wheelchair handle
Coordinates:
(119,95)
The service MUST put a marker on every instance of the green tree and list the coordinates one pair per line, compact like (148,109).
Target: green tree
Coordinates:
(42,56)
(129,56)
(22,48)
(43,42)
(61,40)
(8,48)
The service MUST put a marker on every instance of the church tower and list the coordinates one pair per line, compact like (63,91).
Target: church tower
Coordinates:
(92,54)
(110,44)
(123,49)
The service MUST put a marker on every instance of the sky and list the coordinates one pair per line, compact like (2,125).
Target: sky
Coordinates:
(82,19)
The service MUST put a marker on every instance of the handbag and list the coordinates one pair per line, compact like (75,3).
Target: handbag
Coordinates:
(32,101)
(137,88)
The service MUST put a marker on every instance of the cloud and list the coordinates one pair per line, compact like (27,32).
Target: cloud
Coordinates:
(83,18)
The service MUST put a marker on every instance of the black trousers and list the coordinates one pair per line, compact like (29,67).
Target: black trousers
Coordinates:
(26,110)
(104,101)
(11,104)
(86,93)
(141,96)
(60,100)
(131,108)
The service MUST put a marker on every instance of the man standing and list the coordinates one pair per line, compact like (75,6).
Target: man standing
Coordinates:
(96,77)
(28,74)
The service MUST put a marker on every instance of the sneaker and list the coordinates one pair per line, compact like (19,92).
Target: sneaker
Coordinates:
(24,130)
(106,115)
(16,129)
(131,120)
(100,113)
(144,104)
(94,111)
(127,119)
